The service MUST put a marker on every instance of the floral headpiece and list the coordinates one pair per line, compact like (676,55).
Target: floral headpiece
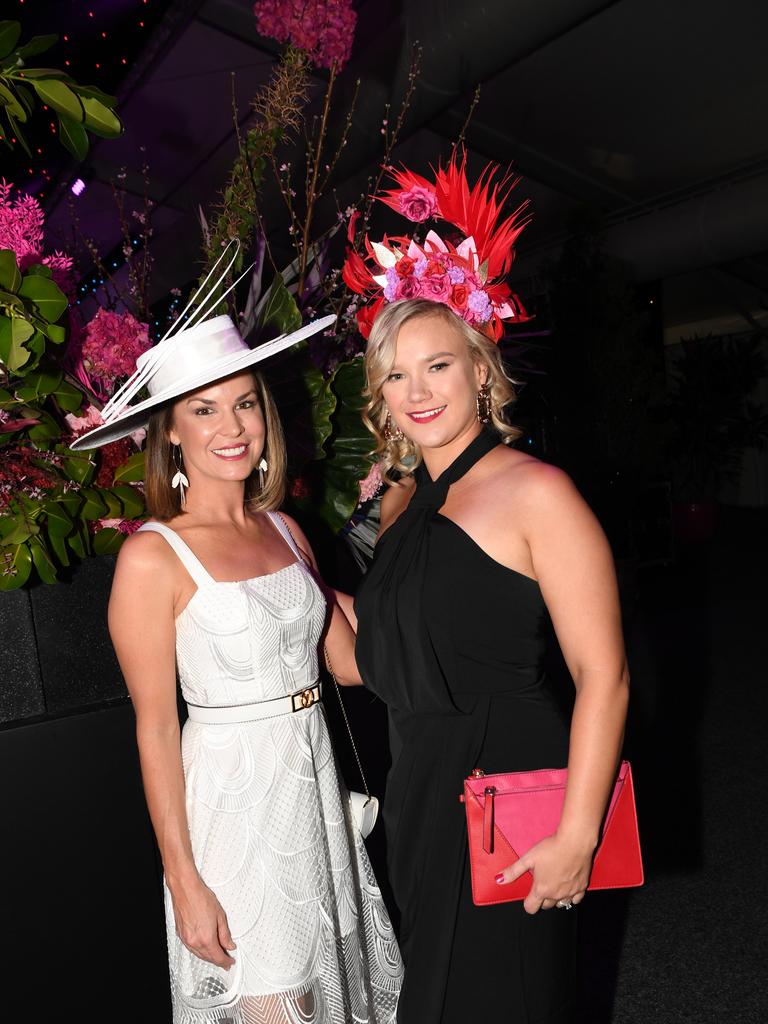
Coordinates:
(465,276)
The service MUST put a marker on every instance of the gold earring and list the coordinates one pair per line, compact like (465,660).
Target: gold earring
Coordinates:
(484,404)
(391,435)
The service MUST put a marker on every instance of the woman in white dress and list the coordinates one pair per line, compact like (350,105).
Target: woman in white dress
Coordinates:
(273,912)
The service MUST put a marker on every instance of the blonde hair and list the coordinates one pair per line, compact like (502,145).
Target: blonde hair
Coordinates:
(163,502)
(403,455)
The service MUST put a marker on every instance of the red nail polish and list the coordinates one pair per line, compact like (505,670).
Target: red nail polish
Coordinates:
(499,879)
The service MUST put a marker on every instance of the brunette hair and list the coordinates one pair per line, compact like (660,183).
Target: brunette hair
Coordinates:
(163,502)
(403,455)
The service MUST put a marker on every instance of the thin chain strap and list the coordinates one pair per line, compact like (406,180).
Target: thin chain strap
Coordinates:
(346,722)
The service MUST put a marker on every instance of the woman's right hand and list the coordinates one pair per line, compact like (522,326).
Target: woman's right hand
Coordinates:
(201,924)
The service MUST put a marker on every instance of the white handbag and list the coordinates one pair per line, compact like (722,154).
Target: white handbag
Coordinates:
(363,808)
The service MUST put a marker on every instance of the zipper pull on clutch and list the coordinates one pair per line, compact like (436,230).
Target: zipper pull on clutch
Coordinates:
(490,793)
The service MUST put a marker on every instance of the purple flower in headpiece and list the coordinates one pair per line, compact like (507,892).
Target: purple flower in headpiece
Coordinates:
(418,203)
(420,266)
(480,305)
(456,274)
(393,280)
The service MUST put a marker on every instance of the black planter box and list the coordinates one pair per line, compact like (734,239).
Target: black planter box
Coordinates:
(55,652)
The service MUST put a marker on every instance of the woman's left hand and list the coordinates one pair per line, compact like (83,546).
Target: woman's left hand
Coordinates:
(560,869)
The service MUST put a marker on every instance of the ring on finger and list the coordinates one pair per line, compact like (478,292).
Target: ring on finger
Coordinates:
(564,904)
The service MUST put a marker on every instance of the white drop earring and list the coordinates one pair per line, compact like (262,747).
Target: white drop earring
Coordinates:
(179,479)
(263,467)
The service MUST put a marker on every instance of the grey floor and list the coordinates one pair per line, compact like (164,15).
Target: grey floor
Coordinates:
(691,946)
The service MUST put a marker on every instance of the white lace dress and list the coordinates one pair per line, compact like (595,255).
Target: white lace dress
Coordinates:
(269,830)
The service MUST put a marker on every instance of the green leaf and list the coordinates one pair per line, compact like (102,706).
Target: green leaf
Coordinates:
(100,120)
(132,470)
(38,270)
(78,466)
(13,333)
(9,37)
(14,572)
(10,275)
(57,94)
(38,385)
(58,520)
(17,132)
(55,333)
(48,298)
(94,507)
(73,137)
(12,103)
(33,73)
(46,429)
(79,541)
(131,500)
(97,94)
(68,397)
(12,302)
(23,528)
(46,570)
(108,541)
(280,309)
(347,460)
(37,44)
(323,405)
(70,501)
(25,96)
(59,548)
(113,503)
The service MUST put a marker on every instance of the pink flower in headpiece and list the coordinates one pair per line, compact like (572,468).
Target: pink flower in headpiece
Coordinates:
(409,288)
(418,203)
(436,287)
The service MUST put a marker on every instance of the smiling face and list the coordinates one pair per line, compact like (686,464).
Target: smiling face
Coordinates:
(431,389)
(220,429)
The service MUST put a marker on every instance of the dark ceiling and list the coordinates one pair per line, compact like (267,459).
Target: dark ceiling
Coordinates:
(649,111)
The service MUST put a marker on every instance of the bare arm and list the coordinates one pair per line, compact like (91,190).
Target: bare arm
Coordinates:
(142,628)
(339,636)
(574,567)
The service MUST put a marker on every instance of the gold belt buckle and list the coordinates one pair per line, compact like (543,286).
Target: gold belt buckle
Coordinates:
(304,698)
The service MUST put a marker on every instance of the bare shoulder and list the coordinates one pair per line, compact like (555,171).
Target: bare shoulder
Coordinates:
(145,556)
(299,537)
(395,500)
(534,483)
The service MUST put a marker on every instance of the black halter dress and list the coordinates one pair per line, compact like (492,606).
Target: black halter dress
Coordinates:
(452,642)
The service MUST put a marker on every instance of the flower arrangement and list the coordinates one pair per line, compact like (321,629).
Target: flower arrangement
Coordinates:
(462,275)
(21,231)
(323,29)
(55,504)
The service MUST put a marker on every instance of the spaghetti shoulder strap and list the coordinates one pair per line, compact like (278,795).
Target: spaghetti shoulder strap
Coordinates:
(283,529)
(189,560)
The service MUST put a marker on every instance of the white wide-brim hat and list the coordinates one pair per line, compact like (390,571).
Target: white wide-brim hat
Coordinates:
(200,355)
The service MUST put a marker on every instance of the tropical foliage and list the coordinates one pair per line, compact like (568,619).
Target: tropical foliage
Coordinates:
(79,109)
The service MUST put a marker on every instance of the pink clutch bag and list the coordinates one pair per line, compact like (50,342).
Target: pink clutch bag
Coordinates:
(508,814)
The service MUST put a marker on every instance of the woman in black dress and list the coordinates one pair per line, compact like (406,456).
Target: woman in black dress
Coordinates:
(478,544)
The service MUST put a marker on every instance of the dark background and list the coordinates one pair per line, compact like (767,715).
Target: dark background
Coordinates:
(638,129)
